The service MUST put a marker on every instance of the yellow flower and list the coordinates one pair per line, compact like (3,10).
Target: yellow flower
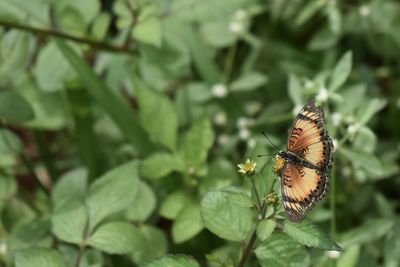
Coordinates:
(248,167)
(272,199)
(279,163)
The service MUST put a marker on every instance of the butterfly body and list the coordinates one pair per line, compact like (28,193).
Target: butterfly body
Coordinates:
(304,167)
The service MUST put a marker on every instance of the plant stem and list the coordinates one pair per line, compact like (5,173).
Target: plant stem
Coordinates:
(256,193)
(248,248)
(52,32)
(230,59)
(82,248)
(332,201)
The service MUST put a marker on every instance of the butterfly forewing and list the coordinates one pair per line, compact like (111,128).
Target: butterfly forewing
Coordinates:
(308,139)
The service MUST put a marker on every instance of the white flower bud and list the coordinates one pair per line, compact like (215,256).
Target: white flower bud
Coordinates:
(219,90)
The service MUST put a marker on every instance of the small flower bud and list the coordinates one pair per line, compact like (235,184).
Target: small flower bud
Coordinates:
(271,199)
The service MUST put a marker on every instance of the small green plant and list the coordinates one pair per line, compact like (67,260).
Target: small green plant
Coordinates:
(122,124)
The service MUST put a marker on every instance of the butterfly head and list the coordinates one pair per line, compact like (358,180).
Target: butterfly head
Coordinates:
(279,162)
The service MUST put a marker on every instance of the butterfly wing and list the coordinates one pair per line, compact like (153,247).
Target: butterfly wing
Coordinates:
(308,138)
(301,188)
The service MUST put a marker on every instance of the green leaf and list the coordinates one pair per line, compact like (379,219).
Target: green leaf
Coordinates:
(72,185)
(113,192)
(14,108)
(157,114)
(143,205)
(38,257)
(392,247)
(8,187)
(9,143)
(149,27)
(370,109)
(69,221)
(281,251)
(224,218)
(196,143)
(295,89)
(341,72)
(187,223)
(53,69)
(364,160)
(248,81)
(173,261)
(101,25)
(30,232)
(116,238)
(160,164)
(217,33)
(265,229)
(173,204)
(117,108)
(367,232)
(309,235)
(155,244)
(349,257)
(308,11)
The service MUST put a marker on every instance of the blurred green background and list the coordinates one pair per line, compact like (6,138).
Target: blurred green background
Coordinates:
(119,117)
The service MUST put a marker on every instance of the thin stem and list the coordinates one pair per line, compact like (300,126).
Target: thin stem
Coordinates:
(230,59)
(52,32)
(256,193)
(31,170)
(248,248)
(82,248)
(45,154)
(332,201)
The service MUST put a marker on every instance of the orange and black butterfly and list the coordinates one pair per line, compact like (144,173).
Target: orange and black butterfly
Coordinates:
(304,166)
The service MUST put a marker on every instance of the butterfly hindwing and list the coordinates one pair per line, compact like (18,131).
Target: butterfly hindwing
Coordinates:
(301,187)
(308,139)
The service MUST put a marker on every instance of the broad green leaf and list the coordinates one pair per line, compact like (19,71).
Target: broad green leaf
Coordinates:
(349,257)
(265,229)
(117,108)
(149,27)
(8,187)
(308,11)
(113,192)
(364,160)
(154,245)
(50,108)
(143,205)
(341,72)
(69,221)
(248,81)
(173,261)
(157,114)
(9,143)
(100,25)
(72,185)
(279,250)
(36,13)
(369,109)
(160,164)
(38,257)
(309,235)
(30,232)
(187,223)
(53,69)
(323,39)
(173,204)
(196,143)
(116,238)
(224,218)
(150,31)
(369,231)
(14,108)
(365,140)
(217,33)
(295,89)
(392,247)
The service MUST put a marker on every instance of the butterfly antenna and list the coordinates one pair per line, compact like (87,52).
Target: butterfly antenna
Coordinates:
(266,155)
(277,148)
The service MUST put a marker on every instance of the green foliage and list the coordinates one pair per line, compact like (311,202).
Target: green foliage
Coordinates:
(122,124)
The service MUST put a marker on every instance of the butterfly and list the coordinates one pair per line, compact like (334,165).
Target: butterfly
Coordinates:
(304,167)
